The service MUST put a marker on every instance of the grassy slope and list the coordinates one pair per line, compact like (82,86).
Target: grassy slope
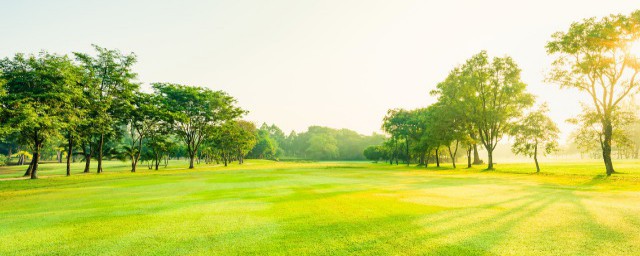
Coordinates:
(323,208)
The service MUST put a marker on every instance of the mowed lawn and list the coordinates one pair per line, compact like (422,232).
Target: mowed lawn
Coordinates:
(324,208)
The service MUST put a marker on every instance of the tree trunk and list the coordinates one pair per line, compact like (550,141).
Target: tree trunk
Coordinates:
(157,160)
(406,142)
(426,162)
(476,156)
(36,157)
(191,159)
(87,157)
(395,152)
(606,146)
(453,154)
(166,161)
(437,159)
(100,145)
(133,164)
(535,158)
(469,149)
(490,156)
(28,172)
(69,155)
(87,163)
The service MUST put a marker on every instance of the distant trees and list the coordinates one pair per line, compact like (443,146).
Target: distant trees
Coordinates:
(232,140)
(535,133)
(594,56)
(195,112)
(266,147)
(317,143)
(478,102)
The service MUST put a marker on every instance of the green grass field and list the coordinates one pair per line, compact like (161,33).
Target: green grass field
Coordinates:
(326,208)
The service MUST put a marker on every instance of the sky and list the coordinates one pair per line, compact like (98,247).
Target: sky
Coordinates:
(296,63)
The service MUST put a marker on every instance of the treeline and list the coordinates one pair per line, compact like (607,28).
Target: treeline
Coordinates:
(484,100)
(478,104)
(90,105)
(317,143)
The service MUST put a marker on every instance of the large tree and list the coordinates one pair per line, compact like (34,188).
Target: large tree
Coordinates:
(145,116)
(498,97)
(195,112)
(108,81)
(595,56)
(455,95)
(38,94)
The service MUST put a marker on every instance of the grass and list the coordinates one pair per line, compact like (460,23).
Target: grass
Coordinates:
(326,208)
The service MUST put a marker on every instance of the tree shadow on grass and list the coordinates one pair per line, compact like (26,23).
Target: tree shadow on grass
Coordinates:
(480,236)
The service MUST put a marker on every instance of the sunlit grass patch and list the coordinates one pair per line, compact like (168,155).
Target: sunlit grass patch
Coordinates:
(334,208)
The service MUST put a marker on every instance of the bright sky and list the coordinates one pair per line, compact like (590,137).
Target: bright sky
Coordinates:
(297,63)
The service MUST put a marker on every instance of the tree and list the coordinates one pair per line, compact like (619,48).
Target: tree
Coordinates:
(594,56)
(109,88)
(158,144)
(590,134)
(265,147)
(456,95)
(245,138)
(145,117)
(322,147)
(233,139)
(38,92)
(498,97)
(535,132)
(398,124)
(195,112)
(373,153)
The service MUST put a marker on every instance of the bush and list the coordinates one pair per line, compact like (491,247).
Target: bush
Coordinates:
(4,160)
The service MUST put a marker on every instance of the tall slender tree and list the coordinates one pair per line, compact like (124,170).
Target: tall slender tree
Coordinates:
(498,97)
(595,56)
(534,134)
(108,81)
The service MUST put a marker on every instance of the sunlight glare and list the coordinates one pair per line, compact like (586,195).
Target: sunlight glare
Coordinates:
(634,49)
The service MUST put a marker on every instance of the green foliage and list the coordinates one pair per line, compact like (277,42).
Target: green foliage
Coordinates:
(38,94)
(374,153)
(534,133)
(195,112)
(233,140)
(322,146)
(109,88)
(594,56)
(590,136)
